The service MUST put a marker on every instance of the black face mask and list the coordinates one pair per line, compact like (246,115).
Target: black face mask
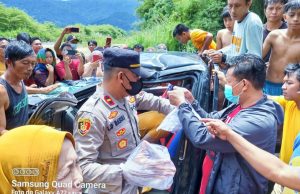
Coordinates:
(136,87)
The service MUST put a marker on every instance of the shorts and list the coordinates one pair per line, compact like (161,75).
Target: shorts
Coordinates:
(272,89)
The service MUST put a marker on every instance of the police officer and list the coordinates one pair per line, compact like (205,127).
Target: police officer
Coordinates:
(106,128)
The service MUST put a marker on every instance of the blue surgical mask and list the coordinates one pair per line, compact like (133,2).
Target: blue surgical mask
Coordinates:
(229,94)
(74,46)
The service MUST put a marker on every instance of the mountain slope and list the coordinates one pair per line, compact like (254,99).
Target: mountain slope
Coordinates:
(66,12)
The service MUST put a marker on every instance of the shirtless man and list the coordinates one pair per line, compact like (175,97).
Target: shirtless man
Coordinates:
(274,10)
(285,48)
(224,36)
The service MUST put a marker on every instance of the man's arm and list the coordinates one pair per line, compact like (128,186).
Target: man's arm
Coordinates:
(59,41)
(147,101)
(244,125)
(4,103)
(80,69)
(89,132)
(180,95)
(207,41)
(268,44)
(88,69)
(219,40)
(50,78)
(43,90)
(265,163)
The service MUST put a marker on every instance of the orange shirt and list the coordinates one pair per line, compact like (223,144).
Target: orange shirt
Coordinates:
(2,68)
(198,37)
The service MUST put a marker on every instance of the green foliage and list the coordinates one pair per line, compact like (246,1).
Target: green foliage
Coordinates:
(203,14)
(258,8)
(14,21)
(161,16)
(158,19)
(155,11)
(152,36)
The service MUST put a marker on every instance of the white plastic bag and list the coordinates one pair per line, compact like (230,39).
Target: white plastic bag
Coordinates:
(149,165)
(171,123)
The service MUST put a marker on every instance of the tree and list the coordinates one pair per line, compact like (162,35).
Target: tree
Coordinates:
(258,8)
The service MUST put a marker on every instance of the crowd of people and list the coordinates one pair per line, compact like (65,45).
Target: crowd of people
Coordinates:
(259,77)
(271,48)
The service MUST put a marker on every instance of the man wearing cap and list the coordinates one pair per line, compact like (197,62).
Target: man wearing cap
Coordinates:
(106,128)
(71,39)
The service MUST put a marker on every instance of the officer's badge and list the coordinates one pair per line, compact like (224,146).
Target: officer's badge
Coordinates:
(84,125)
(109,101)
(132,99)
(122,143)
(121,132)
(113,114)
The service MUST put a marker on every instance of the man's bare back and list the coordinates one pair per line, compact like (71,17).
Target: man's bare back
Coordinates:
(223,38)
(285,50)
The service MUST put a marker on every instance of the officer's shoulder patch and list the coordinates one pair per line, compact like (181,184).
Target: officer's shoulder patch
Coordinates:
(121,132)
(109,101)
(113,114)
(132,99)
(123,143)
(84,126)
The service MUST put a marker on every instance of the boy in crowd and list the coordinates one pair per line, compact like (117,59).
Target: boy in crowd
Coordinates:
(285,48)
(247,33)
(92,44)
(274,15)
(201,40)
(290,101)
(36,44)
(224,36)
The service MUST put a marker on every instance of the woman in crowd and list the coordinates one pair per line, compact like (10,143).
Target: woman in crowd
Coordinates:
(43,73)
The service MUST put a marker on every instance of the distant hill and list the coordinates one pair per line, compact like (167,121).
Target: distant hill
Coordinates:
(120,13)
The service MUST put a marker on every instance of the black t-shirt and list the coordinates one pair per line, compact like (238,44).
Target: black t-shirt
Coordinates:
(265,34)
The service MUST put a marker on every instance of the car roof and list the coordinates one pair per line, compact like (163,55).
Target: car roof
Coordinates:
(167,63)
(169,60)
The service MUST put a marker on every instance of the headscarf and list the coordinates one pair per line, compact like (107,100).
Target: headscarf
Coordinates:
(41,60)
(30,155)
